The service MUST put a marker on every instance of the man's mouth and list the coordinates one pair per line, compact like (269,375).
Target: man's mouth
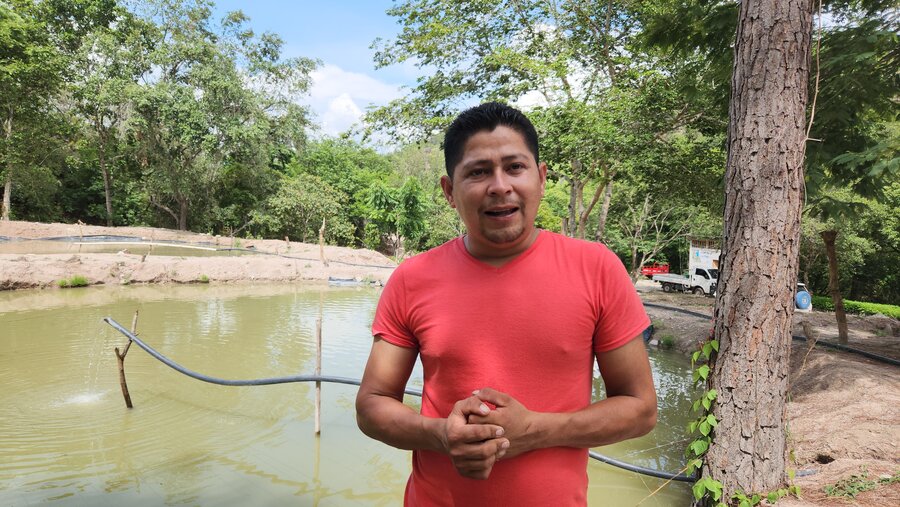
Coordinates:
(501,212)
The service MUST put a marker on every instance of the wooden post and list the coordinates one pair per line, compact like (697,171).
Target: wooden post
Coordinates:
(319,372)
(322,244)
(120,359)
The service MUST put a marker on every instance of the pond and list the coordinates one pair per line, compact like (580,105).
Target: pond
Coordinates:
(68,439)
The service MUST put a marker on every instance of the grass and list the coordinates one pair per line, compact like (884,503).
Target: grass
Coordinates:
(857,307)
(857,483)
(667,342)
(203,279)
(74,281)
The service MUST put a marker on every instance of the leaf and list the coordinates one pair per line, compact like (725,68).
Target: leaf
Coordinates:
(707,350)
(705,428)
(712,394)
(703,371)
(696,406)
(714,344)
(706,403)
(712,421)
(699,447)
(699,489)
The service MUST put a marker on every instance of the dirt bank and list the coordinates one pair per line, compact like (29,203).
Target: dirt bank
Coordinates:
(843,411)
(274,261)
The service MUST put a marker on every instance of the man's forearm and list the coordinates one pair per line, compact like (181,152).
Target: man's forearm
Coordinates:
(604,422)
(390,421)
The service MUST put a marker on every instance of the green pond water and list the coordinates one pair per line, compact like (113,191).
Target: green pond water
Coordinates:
(66,437)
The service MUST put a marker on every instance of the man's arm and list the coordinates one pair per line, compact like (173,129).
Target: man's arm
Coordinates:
(381,414)
(628,411)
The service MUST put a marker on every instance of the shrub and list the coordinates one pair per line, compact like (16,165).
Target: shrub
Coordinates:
(203,279)
(75,281)
(857,307)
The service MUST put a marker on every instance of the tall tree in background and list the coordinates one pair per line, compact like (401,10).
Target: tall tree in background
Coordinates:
(763,203)
(106,71)
(210,102)
(30,67)
(855,148)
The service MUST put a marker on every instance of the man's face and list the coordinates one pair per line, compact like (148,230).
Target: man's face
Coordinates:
(496,189)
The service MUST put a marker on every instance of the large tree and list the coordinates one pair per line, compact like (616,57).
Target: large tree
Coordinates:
(214,97)
(763,202)
(30,75)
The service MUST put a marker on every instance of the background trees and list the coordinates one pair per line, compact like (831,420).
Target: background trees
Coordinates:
(157,113)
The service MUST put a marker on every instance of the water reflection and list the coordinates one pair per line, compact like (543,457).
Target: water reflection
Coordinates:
(67,437)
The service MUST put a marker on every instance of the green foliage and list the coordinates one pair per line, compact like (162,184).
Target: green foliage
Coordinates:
(74,281)
(203,279)
(298,208)
(857,483)
(824,303)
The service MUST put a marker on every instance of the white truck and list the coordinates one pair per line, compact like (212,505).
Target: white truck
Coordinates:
(702,275)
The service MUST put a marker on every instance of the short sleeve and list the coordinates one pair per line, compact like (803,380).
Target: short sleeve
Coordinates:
(621,313)
(391,317)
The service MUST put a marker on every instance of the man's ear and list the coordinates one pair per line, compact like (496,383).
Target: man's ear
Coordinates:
(447,187)
(542,169)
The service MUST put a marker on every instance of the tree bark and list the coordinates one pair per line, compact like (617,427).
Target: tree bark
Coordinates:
(829,237)
(763,202)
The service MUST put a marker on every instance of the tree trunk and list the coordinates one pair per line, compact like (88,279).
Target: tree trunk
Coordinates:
(763,202)
(7,190)
(183,205)
(828,237)
(7,185)
(604,211)
(106,183)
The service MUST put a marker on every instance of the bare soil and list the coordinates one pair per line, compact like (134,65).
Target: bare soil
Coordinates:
(287,260)
(843,409)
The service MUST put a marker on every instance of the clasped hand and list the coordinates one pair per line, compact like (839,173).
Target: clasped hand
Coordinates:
(476,436)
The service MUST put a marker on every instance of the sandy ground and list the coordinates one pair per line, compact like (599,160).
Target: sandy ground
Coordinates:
(843,410)
(291,260)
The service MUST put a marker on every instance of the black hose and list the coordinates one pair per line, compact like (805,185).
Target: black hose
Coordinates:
(349,381)
(829,345)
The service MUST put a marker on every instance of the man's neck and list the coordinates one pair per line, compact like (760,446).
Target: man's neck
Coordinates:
(499,257)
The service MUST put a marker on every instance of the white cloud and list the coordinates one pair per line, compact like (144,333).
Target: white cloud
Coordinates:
(339,97)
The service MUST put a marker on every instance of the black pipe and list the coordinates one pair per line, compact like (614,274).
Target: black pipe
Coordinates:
(349,381)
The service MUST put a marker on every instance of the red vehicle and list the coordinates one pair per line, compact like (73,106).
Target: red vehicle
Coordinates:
(656,268)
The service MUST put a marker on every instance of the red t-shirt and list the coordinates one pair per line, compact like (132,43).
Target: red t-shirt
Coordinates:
(531,329)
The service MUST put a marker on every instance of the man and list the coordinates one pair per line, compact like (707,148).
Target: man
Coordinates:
(508,320)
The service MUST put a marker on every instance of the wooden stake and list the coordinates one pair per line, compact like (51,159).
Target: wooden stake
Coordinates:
(120,359)
(319,372)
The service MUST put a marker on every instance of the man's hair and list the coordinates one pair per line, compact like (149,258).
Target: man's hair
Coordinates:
(485,117)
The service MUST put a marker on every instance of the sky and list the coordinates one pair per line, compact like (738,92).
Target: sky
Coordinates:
(338,33)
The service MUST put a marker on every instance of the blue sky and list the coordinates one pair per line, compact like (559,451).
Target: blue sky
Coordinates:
(339,34)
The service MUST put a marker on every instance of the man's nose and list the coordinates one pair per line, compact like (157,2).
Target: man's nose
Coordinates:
(499,183)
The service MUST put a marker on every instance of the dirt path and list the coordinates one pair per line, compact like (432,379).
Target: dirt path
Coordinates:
(843,411)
